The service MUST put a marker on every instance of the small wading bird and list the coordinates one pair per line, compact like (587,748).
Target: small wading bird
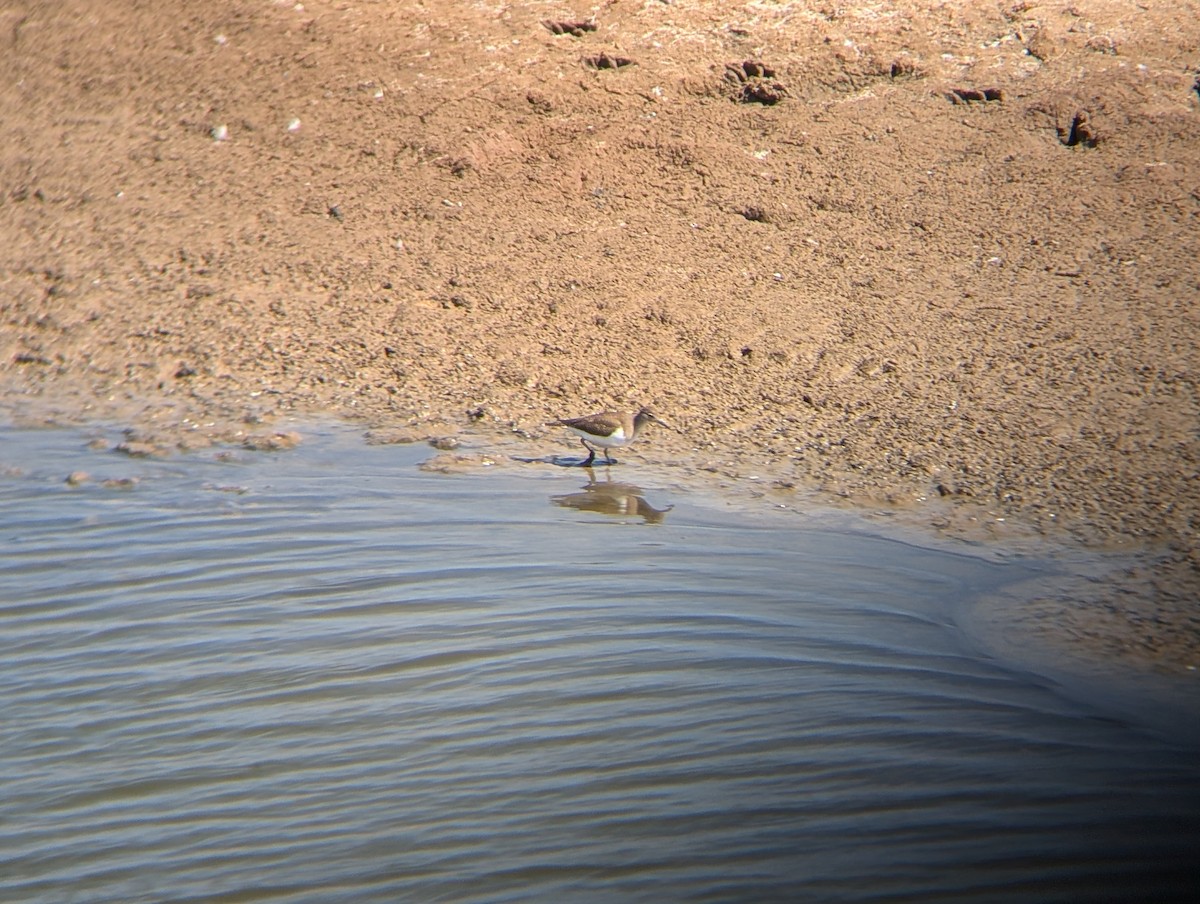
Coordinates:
(608,429)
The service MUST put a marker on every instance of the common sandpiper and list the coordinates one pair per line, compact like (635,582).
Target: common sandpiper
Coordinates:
(608,429)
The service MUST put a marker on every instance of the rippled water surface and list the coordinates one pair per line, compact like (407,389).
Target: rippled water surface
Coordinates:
(325,675)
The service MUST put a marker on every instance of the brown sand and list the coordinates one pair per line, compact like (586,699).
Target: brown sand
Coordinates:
(936,256)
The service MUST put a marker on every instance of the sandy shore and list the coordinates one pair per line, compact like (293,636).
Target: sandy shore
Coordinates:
(936,258)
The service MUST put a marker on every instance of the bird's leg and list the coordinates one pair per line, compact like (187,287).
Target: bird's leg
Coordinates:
(591,454)
(607,457)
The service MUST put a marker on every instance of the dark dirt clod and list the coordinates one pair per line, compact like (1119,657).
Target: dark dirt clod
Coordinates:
(574,29)
(607,61)
(975,95)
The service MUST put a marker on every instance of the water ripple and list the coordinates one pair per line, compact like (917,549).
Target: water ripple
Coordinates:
(364,683)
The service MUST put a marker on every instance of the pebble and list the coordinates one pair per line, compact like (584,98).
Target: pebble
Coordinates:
(272,442)
(135,449)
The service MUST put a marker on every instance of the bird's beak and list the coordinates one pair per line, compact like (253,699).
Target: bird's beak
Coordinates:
(662,423)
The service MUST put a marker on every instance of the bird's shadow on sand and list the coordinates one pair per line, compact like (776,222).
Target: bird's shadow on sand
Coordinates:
(565,461)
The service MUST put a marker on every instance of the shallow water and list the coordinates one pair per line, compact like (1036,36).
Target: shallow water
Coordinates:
(325,675)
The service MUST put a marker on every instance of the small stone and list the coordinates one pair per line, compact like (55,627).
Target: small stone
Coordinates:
(135,449)
(448,463)
(387,436)
(75,478)
(272,442)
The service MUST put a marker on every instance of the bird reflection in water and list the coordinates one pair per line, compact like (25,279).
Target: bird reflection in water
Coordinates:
(621,500)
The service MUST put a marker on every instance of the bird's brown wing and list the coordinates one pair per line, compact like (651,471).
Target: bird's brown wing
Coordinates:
(603,424)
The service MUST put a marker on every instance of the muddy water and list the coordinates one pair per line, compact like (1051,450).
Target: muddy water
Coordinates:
(326,675)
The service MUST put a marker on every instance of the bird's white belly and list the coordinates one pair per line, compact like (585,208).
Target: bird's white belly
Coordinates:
(616,438)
